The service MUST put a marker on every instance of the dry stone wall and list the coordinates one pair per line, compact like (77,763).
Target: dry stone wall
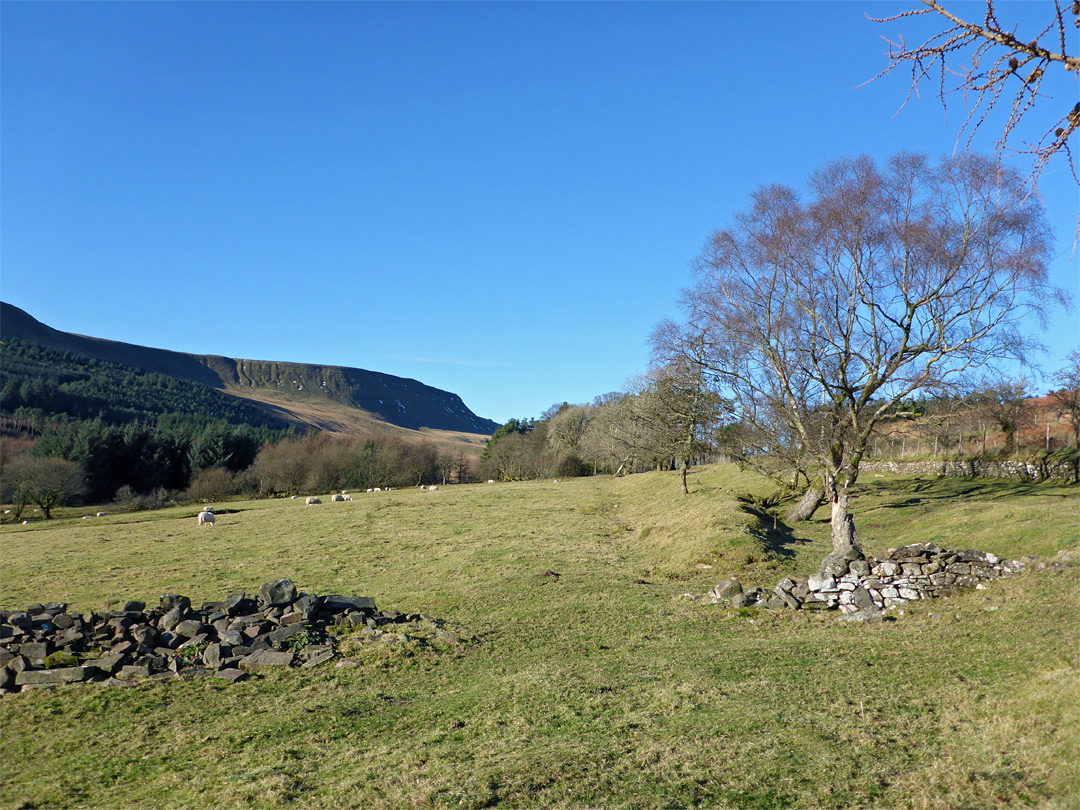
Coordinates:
(869,586)
(1016,470)
(46,645)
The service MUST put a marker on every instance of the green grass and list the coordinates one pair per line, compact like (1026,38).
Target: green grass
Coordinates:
(582,690)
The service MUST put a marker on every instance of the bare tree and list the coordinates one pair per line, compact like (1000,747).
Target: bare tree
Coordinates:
(1067,397)
(567,426)
(47,482)
(885,282)
(1003,402)
(613,440)
(998,67)
(690,412)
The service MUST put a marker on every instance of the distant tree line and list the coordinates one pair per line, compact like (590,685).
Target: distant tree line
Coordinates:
(144,457)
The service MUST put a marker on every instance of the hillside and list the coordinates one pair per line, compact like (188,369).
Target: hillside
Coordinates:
(331,398)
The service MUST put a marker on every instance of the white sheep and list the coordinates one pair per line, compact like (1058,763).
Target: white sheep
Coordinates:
(348,499)
(335,498)
(377,489)
(206,518)
(432,488)
(423,487)
(312,501)
(100,514)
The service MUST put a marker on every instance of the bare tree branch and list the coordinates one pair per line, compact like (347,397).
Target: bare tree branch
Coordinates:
(992,66)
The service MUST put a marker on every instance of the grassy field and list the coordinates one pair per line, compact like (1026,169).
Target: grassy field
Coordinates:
(606,686)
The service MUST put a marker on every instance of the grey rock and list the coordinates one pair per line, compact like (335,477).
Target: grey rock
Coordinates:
(21,620)
(231,674)
(292,617)
(283,634)
(306,605)
(56,676)
(863,599)
(339,604)
(866,616)
(860,568)
(276,594)
(214,654)
(232,638)
(177,614)
(727,588)
(108,663)
(171,601)
(788,600)
(35,652)
(821,582)
(741,600)
(63,621)
(318,658)
(189,628)
(238,604)
(267,658)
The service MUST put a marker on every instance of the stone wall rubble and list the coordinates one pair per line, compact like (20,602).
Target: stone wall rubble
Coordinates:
(46,645)
(906,574)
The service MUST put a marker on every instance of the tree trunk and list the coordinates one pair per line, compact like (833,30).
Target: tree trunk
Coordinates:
(844,539)
(808,504)
(685,489)
(845,543)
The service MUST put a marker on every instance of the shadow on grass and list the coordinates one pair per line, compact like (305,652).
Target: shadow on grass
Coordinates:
(900,493)
(776,536)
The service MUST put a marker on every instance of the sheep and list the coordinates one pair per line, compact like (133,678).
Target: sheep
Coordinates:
(370,489)
(335,498)
(348,498)
(344,492)
(100,514)
(293,498)
(423,487)
(206,518)
(312,501)
(432,488)
(377,489)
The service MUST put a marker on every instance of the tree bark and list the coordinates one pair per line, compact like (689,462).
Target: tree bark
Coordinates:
(685,489)
(808,504)
(845,542)
(844,538)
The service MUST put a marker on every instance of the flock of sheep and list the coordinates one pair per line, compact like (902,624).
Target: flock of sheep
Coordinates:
(206,517)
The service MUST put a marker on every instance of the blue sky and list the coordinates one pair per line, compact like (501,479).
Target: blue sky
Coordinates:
(497,199)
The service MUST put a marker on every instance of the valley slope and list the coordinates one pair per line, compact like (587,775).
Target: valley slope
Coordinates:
(336,399)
